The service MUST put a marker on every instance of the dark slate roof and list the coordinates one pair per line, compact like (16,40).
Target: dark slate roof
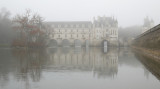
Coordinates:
(69,23)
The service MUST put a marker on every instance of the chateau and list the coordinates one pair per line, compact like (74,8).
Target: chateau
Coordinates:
(103,30)
(148,24)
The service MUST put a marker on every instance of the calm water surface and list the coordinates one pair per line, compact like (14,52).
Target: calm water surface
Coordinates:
(74,68)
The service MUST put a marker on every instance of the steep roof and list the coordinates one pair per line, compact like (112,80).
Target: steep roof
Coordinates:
(70,22)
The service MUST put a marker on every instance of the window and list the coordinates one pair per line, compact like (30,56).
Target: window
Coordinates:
(86,26)
(77,25)
(66,25)
(59,26)
(82,25)
(71,25)
(89,26)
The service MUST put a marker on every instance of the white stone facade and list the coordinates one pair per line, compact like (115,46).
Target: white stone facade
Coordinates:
(103,28)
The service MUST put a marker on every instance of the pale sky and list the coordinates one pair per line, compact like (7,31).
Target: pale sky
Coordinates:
(127,12)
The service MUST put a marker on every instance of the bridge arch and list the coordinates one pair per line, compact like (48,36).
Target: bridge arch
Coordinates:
(53,43)
(77,43)
(66,43)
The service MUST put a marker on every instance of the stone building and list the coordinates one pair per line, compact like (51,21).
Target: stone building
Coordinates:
(102,29)
(148,24)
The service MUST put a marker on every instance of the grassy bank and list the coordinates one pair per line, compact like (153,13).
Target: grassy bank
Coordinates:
(152,53)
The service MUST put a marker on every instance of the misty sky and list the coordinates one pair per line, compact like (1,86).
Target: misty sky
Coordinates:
(128,12)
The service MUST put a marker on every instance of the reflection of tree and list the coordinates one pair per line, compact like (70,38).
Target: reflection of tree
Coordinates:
(5,67)
(3,78)
(26,65)
(29,64)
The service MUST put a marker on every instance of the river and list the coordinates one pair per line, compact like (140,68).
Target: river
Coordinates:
(76,68)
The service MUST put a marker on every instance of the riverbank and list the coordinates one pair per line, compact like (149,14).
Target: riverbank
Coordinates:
(151,53)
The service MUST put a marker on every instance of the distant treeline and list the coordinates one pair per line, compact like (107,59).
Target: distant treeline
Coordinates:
(126,35)
(6,33)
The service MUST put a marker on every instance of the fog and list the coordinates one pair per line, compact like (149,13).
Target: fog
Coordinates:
(128,12)
(6,33)
(84,44)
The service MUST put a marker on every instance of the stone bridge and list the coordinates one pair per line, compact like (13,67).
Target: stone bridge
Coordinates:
(74,43)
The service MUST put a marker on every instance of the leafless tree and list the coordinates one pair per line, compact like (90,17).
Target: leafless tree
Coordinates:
(30,26)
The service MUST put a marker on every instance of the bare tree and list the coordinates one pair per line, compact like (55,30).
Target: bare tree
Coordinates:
(29,26)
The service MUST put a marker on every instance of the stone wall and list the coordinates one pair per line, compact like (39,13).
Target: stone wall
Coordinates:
(150,39)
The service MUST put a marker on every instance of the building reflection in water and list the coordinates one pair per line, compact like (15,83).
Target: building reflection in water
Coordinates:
(28,66)
(102,63)
(31,69)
